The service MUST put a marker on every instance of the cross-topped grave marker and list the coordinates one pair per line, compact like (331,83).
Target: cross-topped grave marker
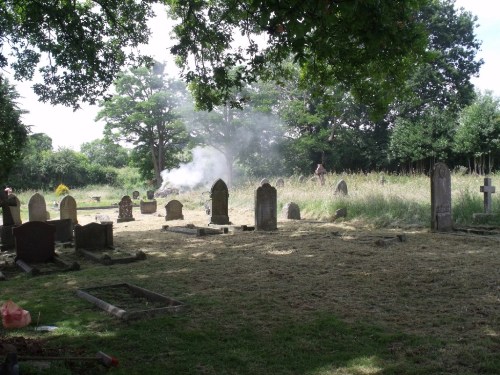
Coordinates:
(487,189)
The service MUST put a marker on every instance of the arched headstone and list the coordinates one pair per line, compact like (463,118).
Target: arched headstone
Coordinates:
(291,211)
(341,188)
(37,209)
(441,220)
(264,181)
(265,208)
(135,194)
(174,210)
(67,209)
(280,182)
(220,196)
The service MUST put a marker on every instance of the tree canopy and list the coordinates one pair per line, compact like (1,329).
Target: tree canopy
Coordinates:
(368,46)
(78,46)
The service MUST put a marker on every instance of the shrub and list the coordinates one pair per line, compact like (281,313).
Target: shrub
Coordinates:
(62,190)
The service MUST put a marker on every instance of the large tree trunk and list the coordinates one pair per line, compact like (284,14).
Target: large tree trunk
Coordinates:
(157,170)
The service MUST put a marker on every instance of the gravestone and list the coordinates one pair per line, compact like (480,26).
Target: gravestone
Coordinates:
(301,179)
(148,207)
(67,209)
(265,208)
(487,190)
(103,219)
(15,210)
(35,242)
(64,229)
(150,194)
(174,210)
(37,209)
(125,210)
(94,236)
(264,181)
(135,194)
(220,196)
(6,237)
(280,182)
(341,188)
(291,211)
(320,172)
(441,220)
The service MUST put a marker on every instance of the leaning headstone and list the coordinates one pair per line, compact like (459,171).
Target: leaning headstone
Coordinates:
(35,242)
(280,182)
(94,236)
(441,220)
(174,210)
(148,207)
(135,194)
(64,229)
(150,194)
(125,210)
(67,209)
(15,210)
(265,208)
(220,196)
(37,209)
(264,181)
(291,211)
(341,188)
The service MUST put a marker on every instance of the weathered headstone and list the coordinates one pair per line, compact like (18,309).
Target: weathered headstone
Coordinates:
(487,190)
(291,211)
(135,194)
(280,182)
(94,236)
(264,181)
(441,220)
(220,196)
(103,219)
(15,210)
(67,209)
(125,210)
(150,194)
(148,207)
(37,209)
(265,208)
(341,188)
(301,179)
(64,229)
(35,242)
(174,210)
(6,238)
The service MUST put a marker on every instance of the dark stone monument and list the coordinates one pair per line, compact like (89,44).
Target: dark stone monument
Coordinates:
(6,238)
(64,229)
(15,210)
(67,209)
(265,208)
(441,220)
(291,211)
(150,194)
(135,195)
(37,209)
(220,196)
(341,188)
(35,242)
(174,210)
(280,182)
(125,210)
(148,207)
(94,236)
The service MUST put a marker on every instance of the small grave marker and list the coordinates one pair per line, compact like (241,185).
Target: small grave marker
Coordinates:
(280,183)
(135,194)
(174,210)
(125,210)
(150,194)
(291,211)
(15,210)
(148,207)
(341,188)
(264,181)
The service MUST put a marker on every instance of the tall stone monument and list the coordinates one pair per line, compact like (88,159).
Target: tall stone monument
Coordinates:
(265,208)
(220,196)
(441,220)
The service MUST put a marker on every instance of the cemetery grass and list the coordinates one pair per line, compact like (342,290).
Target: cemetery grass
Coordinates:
(315,297)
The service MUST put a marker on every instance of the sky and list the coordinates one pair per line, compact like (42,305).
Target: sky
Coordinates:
(70,129)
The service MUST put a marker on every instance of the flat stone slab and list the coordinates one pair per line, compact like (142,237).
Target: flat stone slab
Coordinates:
(234,228)
(127,301)
(192,230)
(479,230)
(111,257)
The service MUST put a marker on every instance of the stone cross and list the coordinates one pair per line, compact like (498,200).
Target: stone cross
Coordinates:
(487,189)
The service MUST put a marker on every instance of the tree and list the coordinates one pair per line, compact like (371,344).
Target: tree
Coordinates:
(144,112)
(13,133)
(370,47)
(478,133)
(106,153)
(78,46)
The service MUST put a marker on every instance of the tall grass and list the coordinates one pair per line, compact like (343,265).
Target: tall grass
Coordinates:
(399,201)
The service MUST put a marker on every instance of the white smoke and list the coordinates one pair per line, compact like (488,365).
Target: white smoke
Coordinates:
(207,166)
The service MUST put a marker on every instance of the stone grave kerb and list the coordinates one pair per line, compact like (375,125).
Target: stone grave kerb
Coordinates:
(266,208)
(219,194)
(441,219)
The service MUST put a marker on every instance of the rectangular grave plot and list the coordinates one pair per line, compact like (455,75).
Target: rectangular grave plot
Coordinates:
(57,265)
(128,302)
(111,257)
